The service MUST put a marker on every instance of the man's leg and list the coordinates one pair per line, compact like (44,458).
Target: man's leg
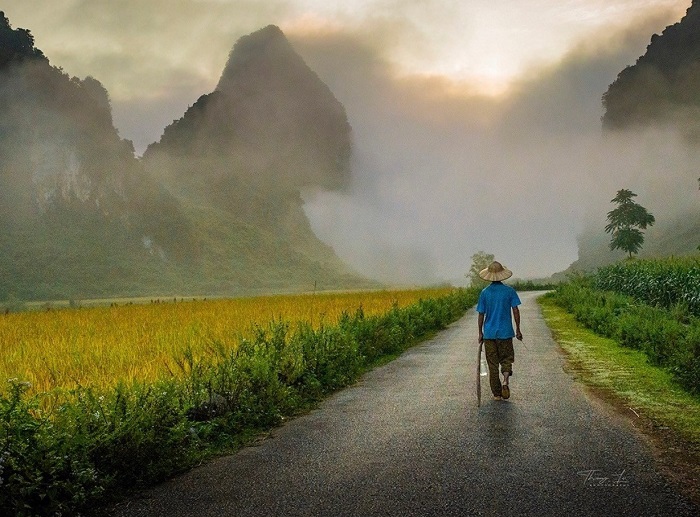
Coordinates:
(506,357)
(492,359)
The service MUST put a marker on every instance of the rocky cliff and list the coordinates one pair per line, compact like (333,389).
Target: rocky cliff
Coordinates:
(663,86)
(214,207)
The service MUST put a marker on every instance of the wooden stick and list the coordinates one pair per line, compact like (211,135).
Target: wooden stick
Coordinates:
(478,377)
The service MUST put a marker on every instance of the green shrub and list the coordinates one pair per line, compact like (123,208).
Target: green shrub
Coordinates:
(534,285)
(685,365)
(44,470)
(668,338)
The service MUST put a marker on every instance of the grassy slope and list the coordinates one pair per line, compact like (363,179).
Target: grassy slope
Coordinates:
(242,258)
(661,409)
(228,257)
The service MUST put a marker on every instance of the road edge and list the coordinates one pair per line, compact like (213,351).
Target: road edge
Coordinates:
(677,457)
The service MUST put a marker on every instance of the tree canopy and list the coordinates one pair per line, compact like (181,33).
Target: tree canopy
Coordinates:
(626,222)
(480,260)
(16,44)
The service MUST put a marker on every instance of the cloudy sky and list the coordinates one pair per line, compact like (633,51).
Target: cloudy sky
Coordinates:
(476,123)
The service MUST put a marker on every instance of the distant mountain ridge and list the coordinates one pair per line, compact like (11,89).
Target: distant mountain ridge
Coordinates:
(214,207)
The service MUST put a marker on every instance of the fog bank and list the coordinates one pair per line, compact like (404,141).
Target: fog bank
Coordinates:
(439,173)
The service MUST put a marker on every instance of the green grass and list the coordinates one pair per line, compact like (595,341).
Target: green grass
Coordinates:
(626,374)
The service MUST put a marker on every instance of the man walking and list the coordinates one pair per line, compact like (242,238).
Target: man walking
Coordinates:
(496,326)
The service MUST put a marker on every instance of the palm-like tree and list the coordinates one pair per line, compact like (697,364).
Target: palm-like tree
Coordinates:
(626,223)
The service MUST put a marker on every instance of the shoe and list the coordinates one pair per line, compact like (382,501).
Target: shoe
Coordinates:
(505,391)
(495,397)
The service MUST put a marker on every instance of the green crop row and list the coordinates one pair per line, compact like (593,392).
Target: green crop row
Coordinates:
(668,337)
(662,282)
(67,459)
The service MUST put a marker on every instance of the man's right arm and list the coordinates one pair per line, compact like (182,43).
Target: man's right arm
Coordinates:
(481,327)
(516,316)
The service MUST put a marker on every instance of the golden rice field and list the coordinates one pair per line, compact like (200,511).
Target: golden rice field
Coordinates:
(100,346)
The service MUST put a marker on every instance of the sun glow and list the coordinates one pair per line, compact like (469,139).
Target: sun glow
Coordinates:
(486,45)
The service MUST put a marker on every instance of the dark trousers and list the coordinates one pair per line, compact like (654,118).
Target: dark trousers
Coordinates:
(499,352)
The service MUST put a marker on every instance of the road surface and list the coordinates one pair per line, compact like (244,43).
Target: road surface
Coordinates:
(409,440)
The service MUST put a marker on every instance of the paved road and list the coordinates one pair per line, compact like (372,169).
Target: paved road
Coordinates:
(409,440)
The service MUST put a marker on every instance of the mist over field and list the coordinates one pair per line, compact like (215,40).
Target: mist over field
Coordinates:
(439,174)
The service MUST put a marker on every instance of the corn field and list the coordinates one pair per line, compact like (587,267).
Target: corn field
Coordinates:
(101,346)
(663,282)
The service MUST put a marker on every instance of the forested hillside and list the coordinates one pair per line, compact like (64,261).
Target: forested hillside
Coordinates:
(663,86)
(213,208)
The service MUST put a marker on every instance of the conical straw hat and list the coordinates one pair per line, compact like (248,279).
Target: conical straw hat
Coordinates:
(495,272)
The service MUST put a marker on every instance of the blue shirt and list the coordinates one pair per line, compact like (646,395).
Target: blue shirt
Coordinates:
(496,303)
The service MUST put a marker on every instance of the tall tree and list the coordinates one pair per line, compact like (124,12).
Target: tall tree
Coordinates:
(480,260)
(626,222)
(16,45)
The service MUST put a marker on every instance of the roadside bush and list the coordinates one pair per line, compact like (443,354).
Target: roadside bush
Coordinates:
(668,341)
(537,285)
(686,364)
(43,469)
